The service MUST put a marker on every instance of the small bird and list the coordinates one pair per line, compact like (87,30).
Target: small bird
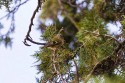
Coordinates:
(57,41)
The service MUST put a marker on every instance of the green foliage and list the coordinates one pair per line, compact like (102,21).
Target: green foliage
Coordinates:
(78,48)
(50,6)
(6,40)
(91,23)
(87,52)
(5,3)
(123,23)
(61,58)
(49,33)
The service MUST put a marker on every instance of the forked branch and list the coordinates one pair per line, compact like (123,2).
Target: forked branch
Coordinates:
(28,38)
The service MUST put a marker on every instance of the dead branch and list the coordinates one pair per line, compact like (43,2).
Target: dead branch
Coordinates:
(28,38)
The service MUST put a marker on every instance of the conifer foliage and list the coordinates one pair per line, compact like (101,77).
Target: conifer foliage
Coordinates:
(78,47)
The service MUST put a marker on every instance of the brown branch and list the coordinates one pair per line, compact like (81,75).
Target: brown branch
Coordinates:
(38,43)
(30,27)
(77,5)
(32,18)
(77,74)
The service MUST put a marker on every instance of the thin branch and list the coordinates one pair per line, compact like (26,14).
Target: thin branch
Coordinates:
(93,70)
(66,14)
(77,74)
(77,5)
(30,27)
(15,9)
(32,18)
(55,67)
(103,35)
(38,43)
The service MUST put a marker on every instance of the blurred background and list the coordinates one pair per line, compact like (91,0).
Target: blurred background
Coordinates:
(16,62)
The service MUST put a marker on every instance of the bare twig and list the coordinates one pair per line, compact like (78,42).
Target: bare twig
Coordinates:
(32,18)
(15,9)
(77,74)
(30,27)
